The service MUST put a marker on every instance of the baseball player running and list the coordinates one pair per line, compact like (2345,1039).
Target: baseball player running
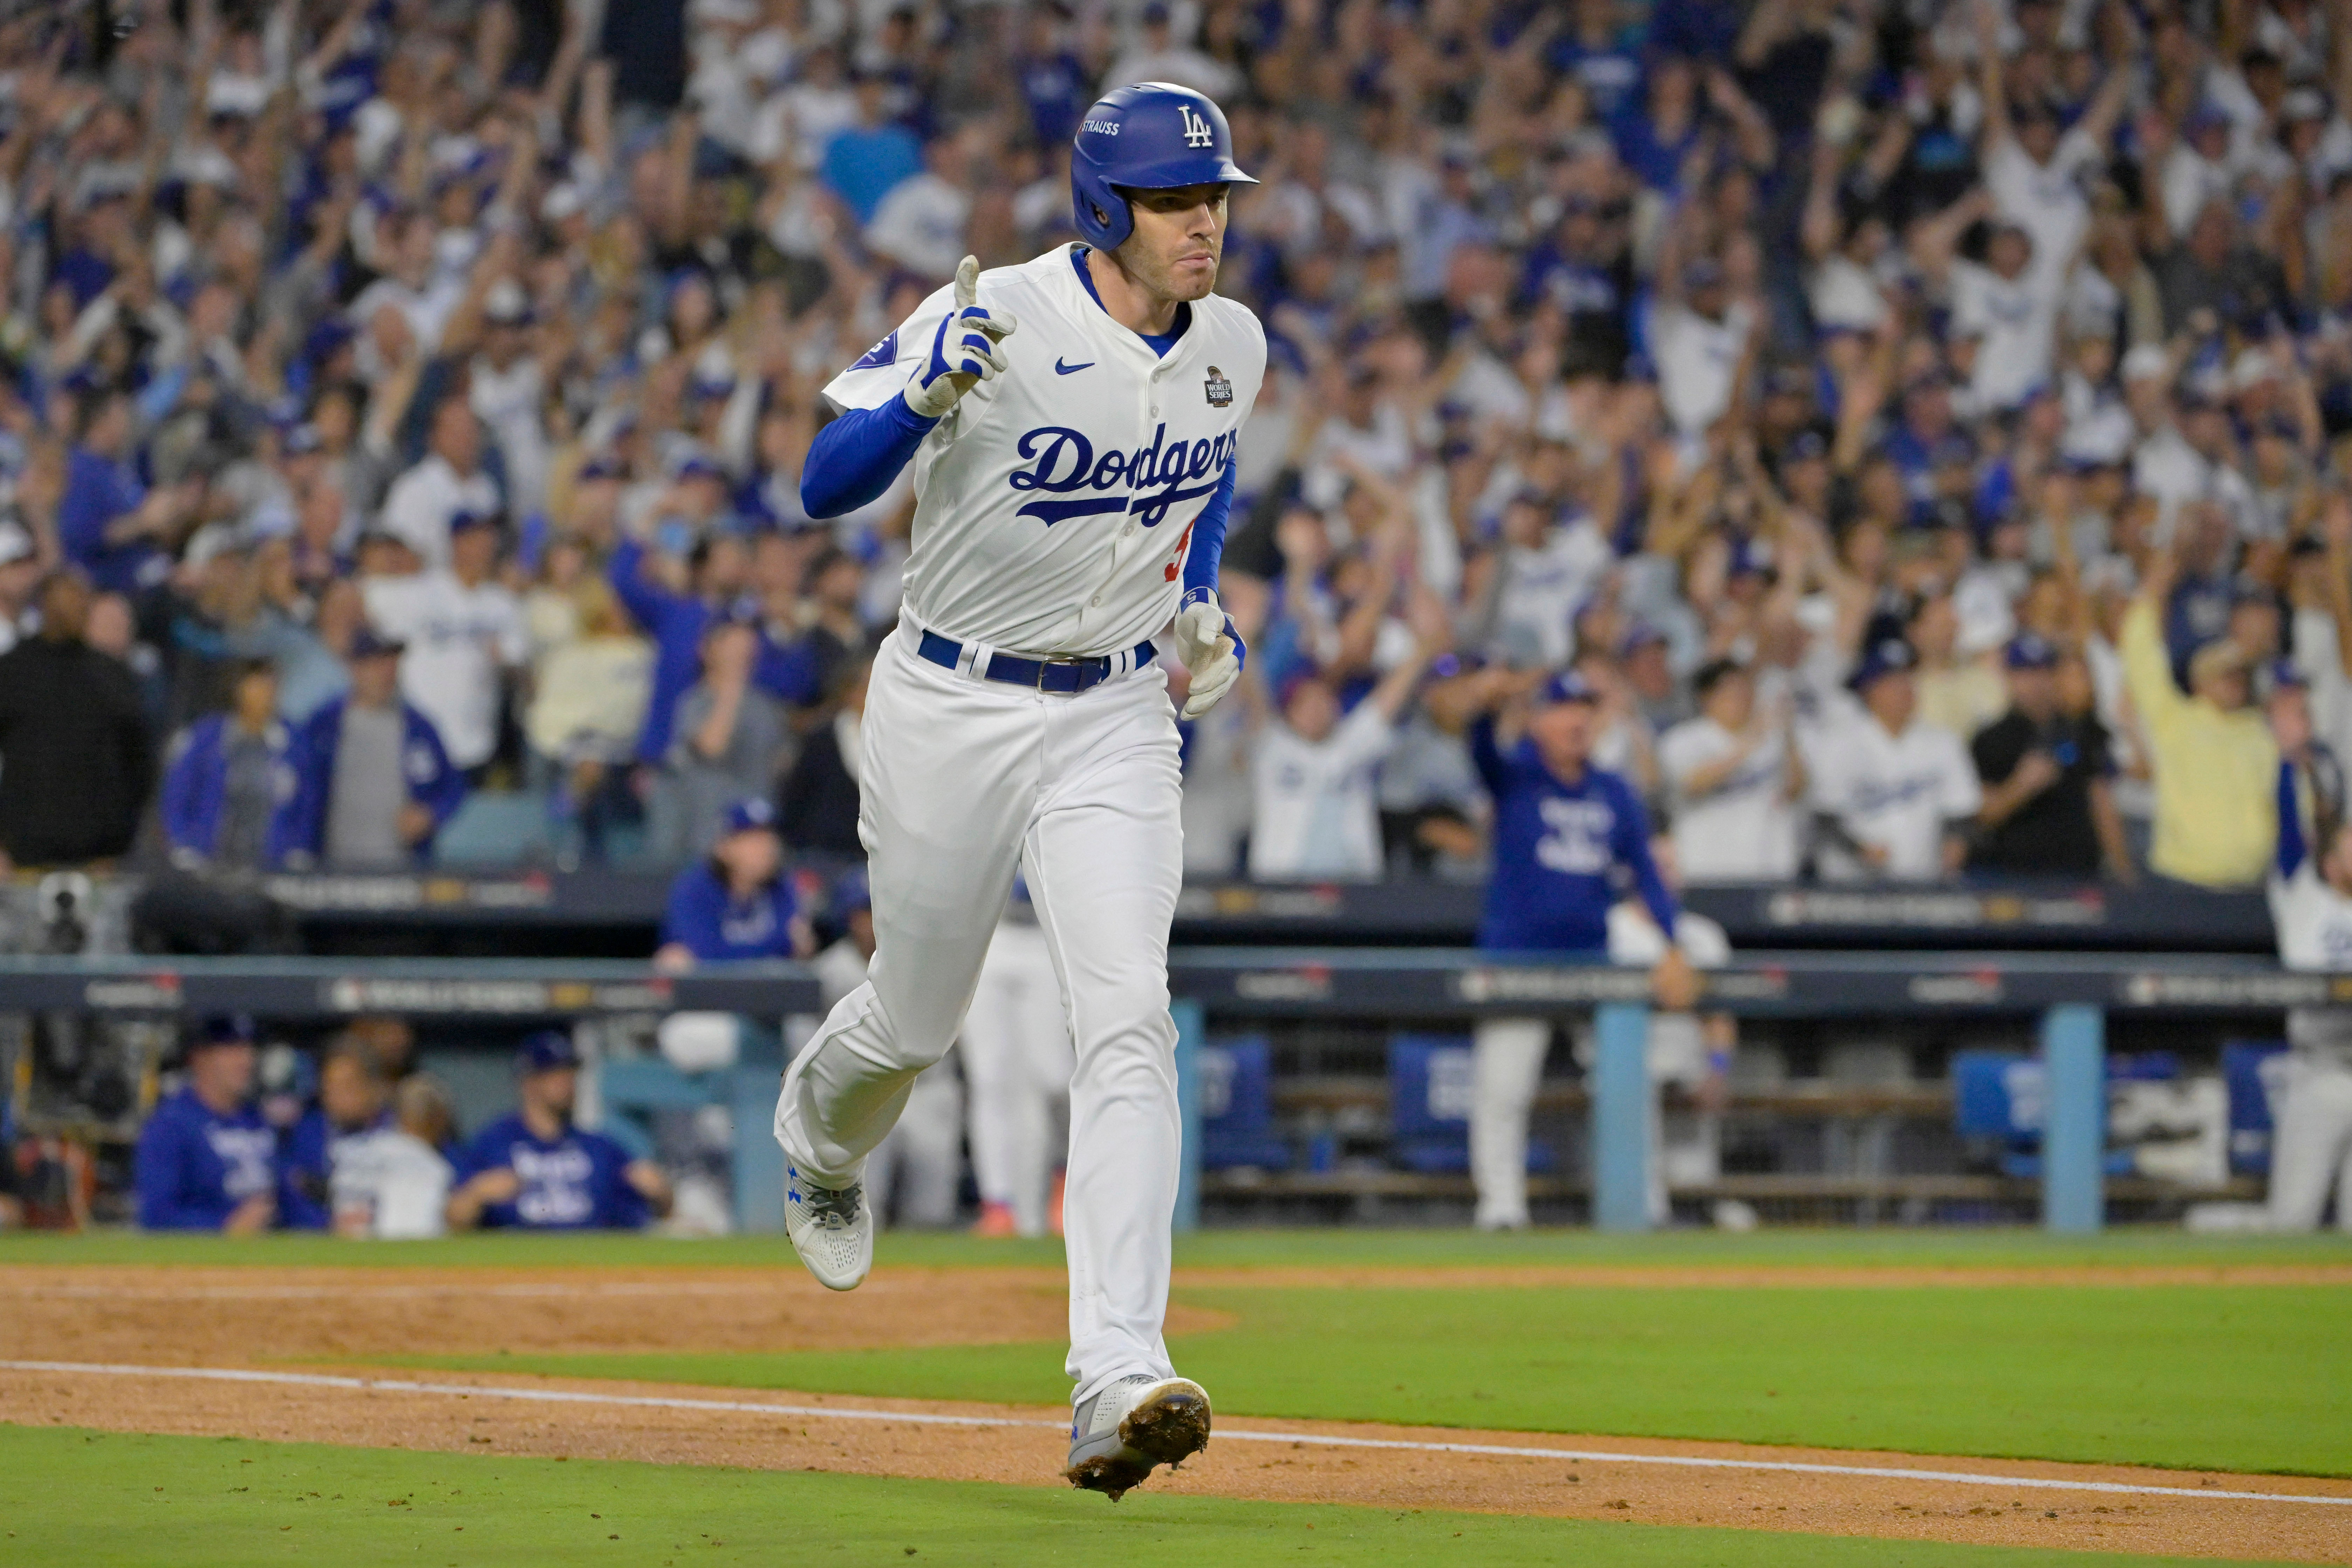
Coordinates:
(1072,482)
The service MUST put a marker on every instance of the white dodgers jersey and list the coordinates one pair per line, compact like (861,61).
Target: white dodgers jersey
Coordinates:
(1055,504)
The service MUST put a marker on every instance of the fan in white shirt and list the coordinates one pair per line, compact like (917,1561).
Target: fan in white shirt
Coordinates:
(2010,308)
(1891,791)
(920,224)
(1316,813)
(392,1183)
(463,631)
(450,481)
(1733,780)
(1697,340)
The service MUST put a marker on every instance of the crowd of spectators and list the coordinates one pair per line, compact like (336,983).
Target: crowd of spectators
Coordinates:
(1917,419)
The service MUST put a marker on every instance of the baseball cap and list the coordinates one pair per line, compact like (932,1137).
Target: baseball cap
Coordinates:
(505,305)
(223,1029)
(2147,362)
(1446,666)
(2286,672)
(1639,635)
(369,643)
(467,521)
(753,813)
(700,466)
(1568,686)
(603,466)
(549,1050)
(1888,655)
(1804,447)
(1750,558)
(2028,650)
(562,201)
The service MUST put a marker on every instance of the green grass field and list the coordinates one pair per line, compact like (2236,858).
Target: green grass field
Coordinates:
(1990,1248)
(95,1500)
(2253,1378)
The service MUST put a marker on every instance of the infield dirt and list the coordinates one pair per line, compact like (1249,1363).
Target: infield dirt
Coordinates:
(342,1319)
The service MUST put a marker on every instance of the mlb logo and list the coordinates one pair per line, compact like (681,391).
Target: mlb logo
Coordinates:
(1220,391)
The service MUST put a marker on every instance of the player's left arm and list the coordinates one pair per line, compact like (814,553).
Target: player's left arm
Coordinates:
(1207,640)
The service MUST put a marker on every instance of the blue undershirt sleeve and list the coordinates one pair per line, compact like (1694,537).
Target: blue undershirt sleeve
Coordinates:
(854,458)
(2290,822)
(1209,536)
(1634,851)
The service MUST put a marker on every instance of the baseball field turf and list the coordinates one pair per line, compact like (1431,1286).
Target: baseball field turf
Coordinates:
(2218,1356)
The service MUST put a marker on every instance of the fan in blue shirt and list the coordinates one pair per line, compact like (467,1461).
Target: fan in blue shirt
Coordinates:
(535,1170)
(736,904)
(1568,837)
(206,1160)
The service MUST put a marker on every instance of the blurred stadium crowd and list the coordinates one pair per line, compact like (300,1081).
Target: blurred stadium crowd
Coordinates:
(1917,420)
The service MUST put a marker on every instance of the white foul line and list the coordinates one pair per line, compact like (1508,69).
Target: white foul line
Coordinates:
(927,1418)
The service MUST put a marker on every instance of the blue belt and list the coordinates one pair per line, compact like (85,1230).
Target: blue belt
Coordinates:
(1064,677)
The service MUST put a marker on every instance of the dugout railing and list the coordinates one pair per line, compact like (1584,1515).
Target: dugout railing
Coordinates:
(2067,998)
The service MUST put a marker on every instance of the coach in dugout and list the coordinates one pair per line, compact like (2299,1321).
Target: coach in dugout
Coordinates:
(206,1160)
(535,1170)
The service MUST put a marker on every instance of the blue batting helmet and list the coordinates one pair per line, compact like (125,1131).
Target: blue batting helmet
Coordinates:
(1147,136)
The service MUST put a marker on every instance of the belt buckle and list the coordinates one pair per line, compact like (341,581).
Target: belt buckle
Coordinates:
(1045,664)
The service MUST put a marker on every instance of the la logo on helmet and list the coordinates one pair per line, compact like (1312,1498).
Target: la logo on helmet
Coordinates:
(1196,130)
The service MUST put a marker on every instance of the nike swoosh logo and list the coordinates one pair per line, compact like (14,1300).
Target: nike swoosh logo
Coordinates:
(1061,369)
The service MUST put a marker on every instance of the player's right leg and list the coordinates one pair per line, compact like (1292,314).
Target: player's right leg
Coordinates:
(1505,1063)
(948,777)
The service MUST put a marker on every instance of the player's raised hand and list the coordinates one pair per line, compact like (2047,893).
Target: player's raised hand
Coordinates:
(963,351)
(1210,648)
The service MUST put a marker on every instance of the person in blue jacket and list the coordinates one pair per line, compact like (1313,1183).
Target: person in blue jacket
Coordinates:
(206,1160)
(718,573)
(231,779)
(736,903)
(372,784)
(535,1170)
(354,1099)
(674,621)
(1569,838)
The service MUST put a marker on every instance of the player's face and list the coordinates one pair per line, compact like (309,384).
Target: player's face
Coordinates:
(347,1094)
(1178,238)
(225,1072)
(1891,699)
(1562,732)
(554,1089)
(2337,866)
(1313,711)
(1732,701)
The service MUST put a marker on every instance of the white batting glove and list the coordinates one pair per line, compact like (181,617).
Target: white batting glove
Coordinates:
(963,351)
(1210,648)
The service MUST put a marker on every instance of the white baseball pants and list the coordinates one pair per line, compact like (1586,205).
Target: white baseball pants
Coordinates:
(1506,1069)
(962,779)
(1016,1063)
(2311,1145)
